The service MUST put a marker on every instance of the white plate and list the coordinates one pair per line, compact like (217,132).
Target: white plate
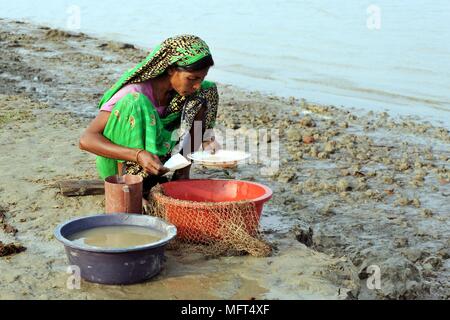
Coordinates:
(219,158)
(176,162)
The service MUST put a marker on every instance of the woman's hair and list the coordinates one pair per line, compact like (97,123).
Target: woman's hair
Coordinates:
(201,64)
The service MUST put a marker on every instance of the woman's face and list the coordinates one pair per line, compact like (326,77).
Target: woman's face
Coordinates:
(187,82)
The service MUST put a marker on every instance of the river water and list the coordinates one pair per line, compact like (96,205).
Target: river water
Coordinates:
(383,55)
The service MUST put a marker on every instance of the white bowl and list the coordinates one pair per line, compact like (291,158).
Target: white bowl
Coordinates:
(221,159)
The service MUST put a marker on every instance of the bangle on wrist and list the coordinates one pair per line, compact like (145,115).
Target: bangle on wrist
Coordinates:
(137,155)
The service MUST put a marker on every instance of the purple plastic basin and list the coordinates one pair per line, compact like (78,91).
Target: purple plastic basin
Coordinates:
(116,266)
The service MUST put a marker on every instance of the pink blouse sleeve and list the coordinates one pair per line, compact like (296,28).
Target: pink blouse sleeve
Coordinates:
(108,106)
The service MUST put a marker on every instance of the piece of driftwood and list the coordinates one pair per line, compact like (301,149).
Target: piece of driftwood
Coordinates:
(76,188)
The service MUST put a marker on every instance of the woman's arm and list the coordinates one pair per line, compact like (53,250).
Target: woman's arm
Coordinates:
(93,141)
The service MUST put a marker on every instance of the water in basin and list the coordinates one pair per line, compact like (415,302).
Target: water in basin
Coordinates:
(116,237)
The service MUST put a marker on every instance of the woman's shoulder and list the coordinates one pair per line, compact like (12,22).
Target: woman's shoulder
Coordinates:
(137,96)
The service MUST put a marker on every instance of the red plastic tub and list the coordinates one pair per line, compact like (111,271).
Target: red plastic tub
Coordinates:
(204,203)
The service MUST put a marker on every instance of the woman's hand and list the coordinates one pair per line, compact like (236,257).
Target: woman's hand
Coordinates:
(211,146)
(151,163)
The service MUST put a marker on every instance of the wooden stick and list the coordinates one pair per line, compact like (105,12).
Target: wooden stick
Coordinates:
(76,188)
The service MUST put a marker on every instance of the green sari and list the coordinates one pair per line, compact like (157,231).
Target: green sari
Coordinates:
(134,121)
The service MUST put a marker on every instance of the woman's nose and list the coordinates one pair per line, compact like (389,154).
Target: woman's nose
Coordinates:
(197,86)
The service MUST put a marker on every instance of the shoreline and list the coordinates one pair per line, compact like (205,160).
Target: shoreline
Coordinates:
(341,93)
(399,112)
(367,176)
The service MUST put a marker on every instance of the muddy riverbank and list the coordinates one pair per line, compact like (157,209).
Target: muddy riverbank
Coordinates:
(373,189)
